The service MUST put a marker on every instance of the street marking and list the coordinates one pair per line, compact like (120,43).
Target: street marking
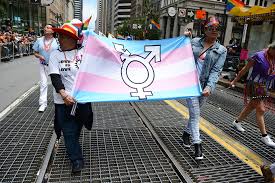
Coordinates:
(17,101)
(241,151)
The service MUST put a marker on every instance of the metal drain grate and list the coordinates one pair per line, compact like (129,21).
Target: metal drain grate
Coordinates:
(33,99)
(251,137)
(161,114)
(215,156)
(232,102)
(236,173)
(24,138)
(27,120)
(214,153)
(121,155)
(116,115)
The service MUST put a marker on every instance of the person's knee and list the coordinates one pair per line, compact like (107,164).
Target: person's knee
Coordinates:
(260,110)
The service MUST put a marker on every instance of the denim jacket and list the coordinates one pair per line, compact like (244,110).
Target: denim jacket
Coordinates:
(213,62)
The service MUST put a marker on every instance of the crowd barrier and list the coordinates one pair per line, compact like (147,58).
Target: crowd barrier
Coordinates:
(11,50)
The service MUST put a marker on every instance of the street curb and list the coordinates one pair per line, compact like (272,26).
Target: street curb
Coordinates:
(238,87)
(15,103)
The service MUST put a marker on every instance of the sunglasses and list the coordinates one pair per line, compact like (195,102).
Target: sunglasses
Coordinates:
(214,28)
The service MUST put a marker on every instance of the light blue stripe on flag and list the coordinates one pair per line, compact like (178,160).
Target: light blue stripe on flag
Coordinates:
(98,97)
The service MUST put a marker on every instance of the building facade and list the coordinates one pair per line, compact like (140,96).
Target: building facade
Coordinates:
(178,15)
(78,7)
(121,11)
(182,16)
(259,34)
(156,5)
(69,10)
(137,8)
(22,15)
(55,13)
(111,13)
(110,17)
(102,16)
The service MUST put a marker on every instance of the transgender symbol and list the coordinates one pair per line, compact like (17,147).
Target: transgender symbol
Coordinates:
(127,58)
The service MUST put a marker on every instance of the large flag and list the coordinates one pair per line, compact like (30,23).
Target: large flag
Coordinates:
(234,3)
(121,70)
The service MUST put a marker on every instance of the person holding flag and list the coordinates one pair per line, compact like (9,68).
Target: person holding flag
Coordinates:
(43,47)
(209,59)
(63,66)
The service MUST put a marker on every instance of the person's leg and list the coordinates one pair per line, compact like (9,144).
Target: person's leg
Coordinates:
(71,131)
(43,87)
(193,125)
(244,113)
(247,110)
(193,121)
(260,110)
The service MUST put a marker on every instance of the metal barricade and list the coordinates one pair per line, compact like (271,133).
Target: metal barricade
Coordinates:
(6,53)
(10,51)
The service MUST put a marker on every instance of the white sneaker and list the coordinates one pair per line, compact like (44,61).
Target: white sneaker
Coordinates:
(238,126)
(42,108)
(268,141)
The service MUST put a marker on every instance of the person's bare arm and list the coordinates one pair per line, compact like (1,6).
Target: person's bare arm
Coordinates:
(244,70)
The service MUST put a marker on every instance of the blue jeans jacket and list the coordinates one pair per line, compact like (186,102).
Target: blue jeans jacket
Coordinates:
(213,62)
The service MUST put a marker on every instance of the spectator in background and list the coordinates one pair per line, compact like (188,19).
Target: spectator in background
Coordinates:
(188,33)
(43,48)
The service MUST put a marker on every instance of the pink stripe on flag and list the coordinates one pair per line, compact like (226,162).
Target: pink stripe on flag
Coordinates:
(98,48)
(103,51)
(105,85)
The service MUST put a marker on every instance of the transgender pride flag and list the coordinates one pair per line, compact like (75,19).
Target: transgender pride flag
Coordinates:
(121,70)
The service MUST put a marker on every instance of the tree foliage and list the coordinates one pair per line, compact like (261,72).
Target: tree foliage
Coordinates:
(145,31)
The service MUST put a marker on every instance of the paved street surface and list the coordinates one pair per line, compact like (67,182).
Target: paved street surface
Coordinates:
(135,142)
(17,76)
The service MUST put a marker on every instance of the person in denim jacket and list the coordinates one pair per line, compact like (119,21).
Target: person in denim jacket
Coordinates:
(209,57)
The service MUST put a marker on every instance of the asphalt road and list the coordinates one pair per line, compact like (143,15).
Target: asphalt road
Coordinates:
(17,76)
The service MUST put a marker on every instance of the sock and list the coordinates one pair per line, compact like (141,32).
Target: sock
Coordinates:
(264,135)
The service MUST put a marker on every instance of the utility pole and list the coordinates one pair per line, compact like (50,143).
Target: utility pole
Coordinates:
(224,21)
(30,14)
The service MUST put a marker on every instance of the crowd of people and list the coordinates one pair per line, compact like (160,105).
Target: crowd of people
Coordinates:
(15,44)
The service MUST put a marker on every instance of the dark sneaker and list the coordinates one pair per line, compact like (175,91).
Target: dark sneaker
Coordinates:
(268,177)
(186,139)
(198,152)
(77,166)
